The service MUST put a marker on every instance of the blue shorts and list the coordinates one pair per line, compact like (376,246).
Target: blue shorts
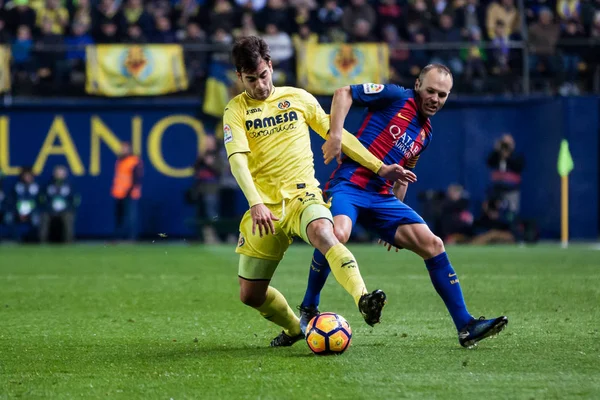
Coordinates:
(376,212)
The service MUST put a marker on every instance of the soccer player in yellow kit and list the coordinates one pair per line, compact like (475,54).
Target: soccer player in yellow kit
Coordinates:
(266,135)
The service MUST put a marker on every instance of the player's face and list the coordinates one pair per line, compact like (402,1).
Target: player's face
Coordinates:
(433,91)
(258,84)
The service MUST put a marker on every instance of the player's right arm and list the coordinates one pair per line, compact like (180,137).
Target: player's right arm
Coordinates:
(236,144)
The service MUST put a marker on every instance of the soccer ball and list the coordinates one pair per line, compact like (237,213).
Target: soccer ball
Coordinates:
(328,333)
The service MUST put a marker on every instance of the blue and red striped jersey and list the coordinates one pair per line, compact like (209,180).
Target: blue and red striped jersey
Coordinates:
(392,130)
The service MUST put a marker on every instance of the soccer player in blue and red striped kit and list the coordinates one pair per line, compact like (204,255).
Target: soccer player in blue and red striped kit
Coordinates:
(396,129)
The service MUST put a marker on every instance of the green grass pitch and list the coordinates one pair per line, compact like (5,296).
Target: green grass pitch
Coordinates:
(165,322)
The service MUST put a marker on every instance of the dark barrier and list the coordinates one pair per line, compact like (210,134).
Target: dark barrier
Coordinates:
(84,134)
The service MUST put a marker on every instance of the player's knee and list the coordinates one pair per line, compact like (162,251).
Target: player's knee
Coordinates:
(320,231)
(252,299)
(341,234)
(436,246)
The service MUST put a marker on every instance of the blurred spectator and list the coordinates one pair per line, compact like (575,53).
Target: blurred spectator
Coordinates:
(134,14)
(456,219)
(195,60)
(127,190)
(358,9)
(505,11)
(248,27)
(4,34)
(329,18)
(108,23)
(20,14)
(276,12)
(495,225)
(54,14)
(49,55)
(76,46)
(571,56)
(447,33)
(184,13)
(224,39)
(163,33)
(389,12)
(223,15)
(543,37)
(135,35)
(24,218)
(470,16)
(205,191)
(304,36)
(58,217)
(439,8)
(282,52)
(506,167)
(82,13)
(362,32)
(303,16)
(419,58)
(475,58)
(399,56)
(22,52)
(418,12)
(500,65)
(590,10)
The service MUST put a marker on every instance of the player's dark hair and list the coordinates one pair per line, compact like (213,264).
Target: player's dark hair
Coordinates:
(440,67)
(248,52)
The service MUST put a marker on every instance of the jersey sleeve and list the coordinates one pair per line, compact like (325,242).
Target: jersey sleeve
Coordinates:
(376,95)
(411,163)
(314,114)
(234,132)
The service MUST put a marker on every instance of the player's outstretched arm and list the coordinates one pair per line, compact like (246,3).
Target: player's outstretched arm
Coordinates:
(340,106)
(261,215)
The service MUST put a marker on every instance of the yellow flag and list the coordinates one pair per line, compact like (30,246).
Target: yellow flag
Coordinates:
(5,69)
(134,70)
(323,68)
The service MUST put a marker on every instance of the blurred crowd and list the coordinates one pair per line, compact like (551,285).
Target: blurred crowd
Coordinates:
(47,37)
(31,211)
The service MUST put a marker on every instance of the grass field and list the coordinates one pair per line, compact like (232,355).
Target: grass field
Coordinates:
(162,322)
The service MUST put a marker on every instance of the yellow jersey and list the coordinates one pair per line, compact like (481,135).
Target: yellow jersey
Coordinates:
(274,132)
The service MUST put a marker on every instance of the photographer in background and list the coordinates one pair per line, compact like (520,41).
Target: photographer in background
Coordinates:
(60,203)
(506,166)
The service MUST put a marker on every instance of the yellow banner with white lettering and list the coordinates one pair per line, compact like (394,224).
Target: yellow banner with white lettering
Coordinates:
(5,69)
(323,68)
(134,70)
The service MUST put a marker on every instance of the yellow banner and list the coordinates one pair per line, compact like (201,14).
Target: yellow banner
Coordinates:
(323,68)
(5,69)
(132,70)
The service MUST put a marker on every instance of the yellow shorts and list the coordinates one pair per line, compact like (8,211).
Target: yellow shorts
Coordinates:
(294,215)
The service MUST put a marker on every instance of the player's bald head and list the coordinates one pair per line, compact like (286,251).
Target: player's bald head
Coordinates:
(439,68)
(248,52)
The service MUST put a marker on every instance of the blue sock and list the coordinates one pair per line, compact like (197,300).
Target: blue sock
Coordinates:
(319,271)
(446,283)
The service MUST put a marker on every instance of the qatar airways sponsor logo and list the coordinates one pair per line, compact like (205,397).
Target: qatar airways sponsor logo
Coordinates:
(403,141)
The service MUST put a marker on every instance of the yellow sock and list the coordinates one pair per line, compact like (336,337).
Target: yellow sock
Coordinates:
(345,269)
(277,310)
